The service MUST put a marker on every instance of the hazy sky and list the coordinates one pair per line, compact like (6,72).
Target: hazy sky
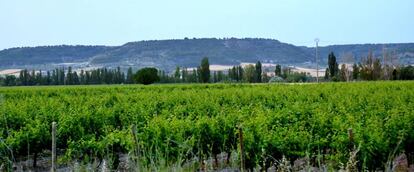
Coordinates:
(115,22)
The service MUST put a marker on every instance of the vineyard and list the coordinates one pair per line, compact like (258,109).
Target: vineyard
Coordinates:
(200,126)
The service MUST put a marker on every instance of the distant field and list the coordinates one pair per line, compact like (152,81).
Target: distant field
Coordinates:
(179,124)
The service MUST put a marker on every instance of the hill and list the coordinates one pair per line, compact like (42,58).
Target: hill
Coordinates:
(166,54)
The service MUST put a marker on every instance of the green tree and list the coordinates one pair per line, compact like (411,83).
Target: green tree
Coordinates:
(286,72)
(258,72)
(220,76)
(184,74)
(205,70)
(250,73)
(367,67)
(278,70)
(297,77)
(75,78)
(376,69)
(355,72)
(23,77)
(177,74)
(32,78)
(232,73)
(61,76)
(236,73)
(333,66)
(407,73)
(199,74)
(395,74)
(88,78)
(54,78)
(129,77)
(194,76)
(48,80)
(69,77)
(326,74)
(82,77)
(215,77)
(10,80)
(39,78)
(146,76)
(240,73)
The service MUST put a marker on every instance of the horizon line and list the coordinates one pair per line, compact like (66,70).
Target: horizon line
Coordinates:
(195,38)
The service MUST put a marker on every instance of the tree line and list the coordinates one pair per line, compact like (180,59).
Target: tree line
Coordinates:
(62,76)
(370,68)
(251,73)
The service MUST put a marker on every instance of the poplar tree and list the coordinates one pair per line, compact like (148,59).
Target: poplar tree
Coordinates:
(205,70)
(333,66)
(258,72)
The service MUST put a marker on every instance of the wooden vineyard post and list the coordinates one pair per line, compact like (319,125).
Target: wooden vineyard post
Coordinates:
(53,147)
(136,151)
(241,149)
(351,139)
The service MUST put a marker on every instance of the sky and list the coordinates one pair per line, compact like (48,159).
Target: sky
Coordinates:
(115,22)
